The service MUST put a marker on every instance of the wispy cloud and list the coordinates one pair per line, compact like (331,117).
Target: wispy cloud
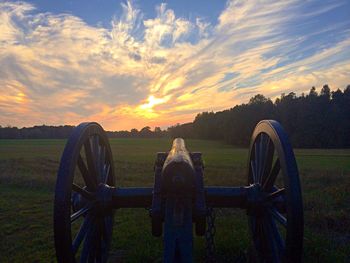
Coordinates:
(58,69)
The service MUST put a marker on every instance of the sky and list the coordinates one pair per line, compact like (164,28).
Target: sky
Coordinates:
(131,64)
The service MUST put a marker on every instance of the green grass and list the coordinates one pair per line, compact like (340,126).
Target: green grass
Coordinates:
(28,173)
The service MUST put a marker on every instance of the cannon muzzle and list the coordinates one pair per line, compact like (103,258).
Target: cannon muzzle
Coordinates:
(178,174)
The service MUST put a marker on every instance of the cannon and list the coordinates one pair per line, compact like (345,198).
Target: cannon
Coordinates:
(86,196)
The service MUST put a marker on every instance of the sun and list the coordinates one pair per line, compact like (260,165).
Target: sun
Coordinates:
(152,101)
(147,109)
(20,97)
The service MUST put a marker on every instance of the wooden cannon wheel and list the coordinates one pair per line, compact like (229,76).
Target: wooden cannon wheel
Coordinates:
(276,216)
(83,234)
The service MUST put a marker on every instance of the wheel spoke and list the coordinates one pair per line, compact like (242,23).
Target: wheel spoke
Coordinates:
(88,243)
(260,241)
(102,163)
(105,240)
(279,217)
(255,228)
(96,149)
(277,237)
(108,225)
(272,254)
(269,150)
(106,174)
(254,173)
(84,228)
(256,161)
(87,195)
(276,194)
(88,178)
(90,160)
(98,240)
(94,253)
(261,157)
(272,176)
(79,213)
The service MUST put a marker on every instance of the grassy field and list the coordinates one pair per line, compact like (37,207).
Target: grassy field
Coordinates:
(28,173)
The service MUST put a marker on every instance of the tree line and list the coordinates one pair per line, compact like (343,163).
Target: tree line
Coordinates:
(63,132)
(313,120)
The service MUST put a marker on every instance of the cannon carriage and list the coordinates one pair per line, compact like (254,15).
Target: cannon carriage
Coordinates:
(179,202)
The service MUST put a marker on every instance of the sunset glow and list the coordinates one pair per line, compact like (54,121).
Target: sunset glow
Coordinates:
(162,67)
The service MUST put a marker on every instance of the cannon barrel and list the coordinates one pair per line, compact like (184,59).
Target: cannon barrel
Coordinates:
(178,170)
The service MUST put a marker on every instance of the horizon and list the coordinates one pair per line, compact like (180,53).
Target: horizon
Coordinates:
(165,128)
(135,64)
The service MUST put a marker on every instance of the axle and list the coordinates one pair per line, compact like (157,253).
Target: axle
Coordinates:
(134,197)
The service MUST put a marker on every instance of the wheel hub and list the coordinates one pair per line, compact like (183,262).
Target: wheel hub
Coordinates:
(256,200)
(103,205)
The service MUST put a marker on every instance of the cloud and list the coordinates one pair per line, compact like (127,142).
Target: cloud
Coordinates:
(57,69)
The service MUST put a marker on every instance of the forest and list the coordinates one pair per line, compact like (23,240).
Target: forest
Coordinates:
(313,120)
